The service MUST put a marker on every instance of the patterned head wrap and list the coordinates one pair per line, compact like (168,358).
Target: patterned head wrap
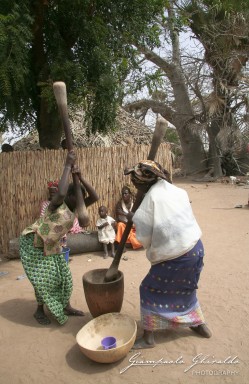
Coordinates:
(147,172)
(53,184)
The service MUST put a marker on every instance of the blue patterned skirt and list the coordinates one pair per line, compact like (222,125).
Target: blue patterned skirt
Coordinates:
(168,292)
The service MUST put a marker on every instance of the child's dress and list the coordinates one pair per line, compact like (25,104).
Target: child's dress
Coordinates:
(107,234)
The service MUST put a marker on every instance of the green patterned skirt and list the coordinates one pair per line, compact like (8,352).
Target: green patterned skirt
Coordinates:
(49,275)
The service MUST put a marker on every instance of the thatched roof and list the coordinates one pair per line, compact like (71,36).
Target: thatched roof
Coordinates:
(130,131)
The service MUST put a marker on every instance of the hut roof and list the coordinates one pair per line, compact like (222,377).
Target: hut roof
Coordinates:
(129,131)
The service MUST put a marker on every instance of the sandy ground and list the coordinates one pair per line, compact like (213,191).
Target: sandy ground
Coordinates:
(31,353)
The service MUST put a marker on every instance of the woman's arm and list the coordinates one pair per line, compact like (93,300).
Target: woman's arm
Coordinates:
(120,215)
(102,225)
(59,196)
(92,194)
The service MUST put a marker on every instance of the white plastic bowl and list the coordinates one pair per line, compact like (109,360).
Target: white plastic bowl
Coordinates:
(120,326)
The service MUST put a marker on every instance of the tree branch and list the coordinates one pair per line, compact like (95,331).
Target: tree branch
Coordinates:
(154,58)
(154,105)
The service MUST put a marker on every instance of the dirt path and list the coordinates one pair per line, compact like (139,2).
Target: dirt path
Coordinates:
(33,354)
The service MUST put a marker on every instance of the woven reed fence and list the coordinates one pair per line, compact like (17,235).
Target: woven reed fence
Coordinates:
(24,176)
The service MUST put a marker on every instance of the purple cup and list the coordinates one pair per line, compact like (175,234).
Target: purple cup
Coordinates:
(108,342)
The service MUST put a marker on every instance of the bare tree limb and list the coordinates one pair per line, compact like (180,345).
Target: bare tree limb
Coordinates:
(154,105)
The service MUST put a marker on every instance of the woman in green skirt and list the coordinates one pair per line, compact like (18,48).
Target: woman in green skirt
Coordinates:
(41,248)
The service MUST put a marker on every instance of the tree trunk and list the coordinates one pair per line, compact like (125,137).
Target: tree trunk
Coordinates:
(192,149)
(50,127)
(214,159)
(47,121)
(182,116)
(185,123)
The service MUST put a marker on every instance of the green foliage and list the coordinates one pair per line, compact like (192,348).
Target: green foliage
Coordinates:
(15,36)
(85,43)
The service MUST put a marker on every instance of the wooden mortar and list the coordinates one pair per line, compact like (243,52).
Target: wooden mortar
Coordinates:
(103,297)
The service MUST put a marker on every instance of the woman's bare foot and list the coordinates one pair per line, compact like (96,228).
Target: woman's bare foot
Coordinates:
(202,330)
(142,344)
(146,341)
(70,311)
(41,317)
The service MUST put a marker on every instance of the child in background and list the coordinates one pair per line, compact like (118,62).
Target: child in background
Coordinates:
(106,232)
